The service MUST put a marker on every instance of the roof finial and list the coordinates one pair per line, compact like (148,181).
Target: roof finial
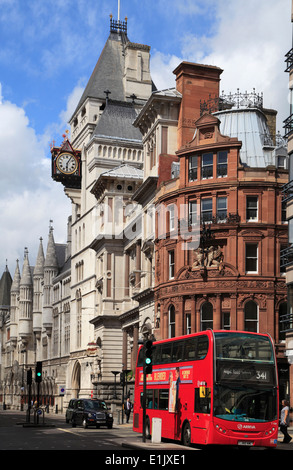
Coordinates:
(107,93)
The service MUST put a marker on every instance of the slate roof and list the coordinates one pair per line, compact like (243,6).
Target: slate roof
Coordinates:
(116,122)
(108,72)
(124,171)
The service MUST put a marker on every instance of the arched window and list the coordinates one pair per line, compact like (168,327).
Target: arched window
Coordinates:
(206,320)
(251,316)
(171,327)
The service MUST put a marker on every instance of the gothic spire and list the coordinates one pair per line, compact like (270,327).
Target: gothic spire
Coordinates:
(16,279)
(39,267)
(26,276)
(51,256)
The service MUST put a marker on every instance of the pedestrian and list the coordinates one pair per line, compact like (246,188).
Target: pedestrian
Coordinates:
(127,409)
(285,421)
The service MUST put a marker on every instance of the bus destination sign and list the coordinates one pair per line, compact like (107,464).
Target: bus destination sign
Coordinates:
(245,372)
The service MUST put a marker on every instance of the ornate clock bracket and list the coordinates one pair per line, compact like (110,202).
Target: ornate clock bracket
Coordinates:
(66,165)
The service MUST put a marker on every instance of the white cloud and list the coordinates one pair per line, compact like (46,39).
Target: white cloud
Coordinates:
(72,101)
(162,67)
(29,198)
(249,42)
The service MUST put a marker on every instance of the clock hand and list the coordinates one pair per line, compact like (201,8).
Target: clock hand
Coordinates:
(71,158)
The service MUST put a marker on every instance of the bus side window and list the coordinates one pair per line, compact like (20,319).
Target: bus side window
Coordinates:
(149,398)
(177,352)
(190,349)
(156,399)
(202,347)
(163,399)
(158,351)
(202,400)
(166,353)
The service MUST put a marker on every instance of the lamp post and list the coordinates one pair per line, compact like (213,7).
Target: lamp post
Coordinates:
(205,238)
(115,372)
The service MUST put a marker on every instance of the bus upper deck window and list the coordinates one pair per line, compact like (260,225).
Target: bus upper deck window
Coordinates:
(202,347)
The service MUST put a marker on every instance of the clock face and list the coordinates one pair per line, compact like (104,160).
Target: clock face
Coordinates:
(66,163)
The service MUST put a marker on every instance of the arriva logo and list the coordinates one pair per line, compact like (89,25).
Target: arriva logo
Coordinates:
(245,426)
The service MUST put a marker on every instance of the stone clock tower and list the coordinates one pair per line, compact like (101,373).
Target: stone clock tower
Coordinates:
(102,130)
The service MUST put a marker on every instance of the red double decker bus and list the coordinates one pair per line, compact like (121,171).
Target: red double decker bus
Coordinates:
(212,387)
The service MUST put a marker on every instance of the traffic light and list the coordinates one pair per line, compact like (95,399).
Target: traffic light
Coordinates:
(39,372)
(148,356)
(122,379)
(29,377)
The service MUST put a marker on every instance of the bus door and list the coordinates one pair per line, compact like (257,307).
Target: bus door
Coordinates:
(201,416)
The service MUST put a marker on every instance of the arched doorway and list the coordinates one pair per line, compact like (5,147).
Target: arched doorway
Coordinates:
(76,380)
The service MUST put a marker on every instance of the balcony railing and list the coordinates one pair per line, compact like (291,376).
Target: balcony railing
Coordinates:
(288,125)
(289,60)
(231,100)
(286,323)
(220,218)
(287,191)
(286,257)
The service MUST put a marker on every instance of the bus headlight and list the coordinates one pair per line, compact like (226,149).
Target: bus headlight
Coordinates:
(221,429)
(270,431)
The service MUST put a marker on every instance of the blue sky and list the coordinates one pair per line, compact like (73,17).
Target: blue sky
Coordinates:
(48,50)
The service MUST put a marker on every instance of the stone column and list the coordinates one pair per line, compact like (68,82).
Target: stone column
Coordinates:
(124,350)
(193,314)
(179,317)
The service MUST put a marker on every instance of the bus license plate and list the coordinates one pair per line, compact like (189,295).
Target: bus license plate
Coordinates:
(245,443)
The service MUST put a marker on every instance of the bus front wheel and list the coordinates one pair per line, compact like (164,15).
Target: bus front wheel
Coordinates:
(186,435)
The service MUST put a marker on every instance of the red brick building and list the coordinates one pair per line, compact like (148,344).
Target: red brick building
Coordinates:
(220,226)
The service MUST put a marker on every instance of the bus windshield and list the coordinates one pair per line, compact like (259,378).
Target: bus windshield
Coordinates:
(245,381)
(244,346)
(249,404)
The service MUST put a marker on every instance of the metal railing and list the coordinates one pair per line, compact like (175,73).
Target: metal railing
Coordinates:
(286,323)
(289,60)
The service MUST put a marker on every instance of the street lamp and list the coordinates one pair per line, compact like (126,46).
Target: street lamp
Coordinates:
(205,238)
(115,372)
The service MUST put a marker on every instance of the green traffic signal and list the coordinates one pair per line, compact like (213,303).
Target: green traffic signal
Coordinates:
(148,356)
(39,372)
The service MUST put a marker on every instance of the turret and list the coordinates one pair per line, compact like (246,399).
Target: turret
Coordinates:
(14,304)
(38,279)
(25,300)
(50,271)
